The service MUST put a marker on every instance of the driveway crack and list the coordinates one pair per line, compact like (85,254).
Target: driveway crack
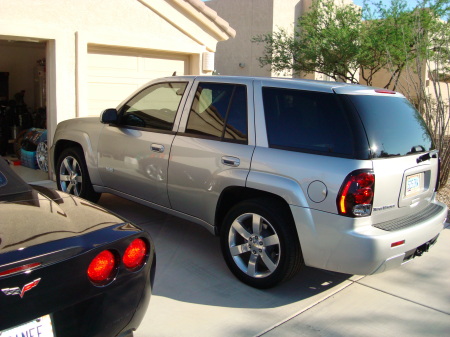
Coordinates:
(298,313)
(403,298)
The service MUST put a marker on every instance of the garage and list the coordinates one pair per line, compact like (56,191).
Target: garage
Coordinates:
(70,59)
(114,73)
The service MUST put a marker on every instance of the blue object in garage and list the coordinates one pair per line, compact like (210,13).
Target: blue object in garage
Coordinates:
(32,138)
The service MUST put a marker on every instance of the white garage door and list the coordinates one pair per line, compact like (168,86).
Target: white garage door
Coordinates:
(113,74)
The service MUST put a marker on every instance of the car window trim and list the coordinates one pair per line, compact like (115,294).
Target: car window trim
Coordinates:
(219,139)
(138,128)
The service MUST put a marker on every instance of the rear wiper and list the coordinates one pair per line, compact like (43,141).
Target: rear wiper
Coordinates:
(427,156)
(423,157)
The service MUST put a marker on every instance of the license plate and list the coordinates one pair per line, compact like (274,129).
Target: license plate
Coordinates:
(412,184)
(41,326)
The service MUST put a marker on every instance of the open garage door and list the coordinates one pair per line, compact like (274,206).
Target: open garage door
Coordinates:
(113,74)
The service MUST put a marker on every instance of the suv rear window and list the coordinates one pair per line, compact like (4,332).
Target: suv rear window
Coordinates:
(308,121)
(393,126)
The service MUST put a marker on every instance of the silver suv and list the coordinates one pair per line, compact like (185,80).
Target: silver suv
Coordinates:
(288,172)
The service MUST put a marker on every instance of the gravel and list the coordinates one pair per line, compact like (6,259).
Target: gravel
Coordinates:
(443,195)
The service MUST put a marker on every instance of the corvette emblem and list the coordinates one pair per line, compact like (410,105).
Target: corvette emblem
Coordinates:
(21,292)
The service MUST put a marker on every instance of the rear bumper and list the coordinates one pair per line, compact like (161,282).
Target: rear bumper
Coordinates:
(354,246)
(110,313)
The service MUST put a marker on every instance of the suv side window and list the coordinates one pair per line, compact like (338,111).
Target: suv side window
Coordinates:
(155,107)
(219,111)
(307,121)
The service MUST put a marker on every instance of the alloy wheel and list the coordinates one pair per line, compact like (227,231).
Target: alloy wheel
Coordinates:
(254,245)
(70,176)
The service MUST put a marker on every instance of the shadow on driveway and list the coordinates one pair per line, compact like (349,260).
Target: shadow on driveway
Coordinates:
(190,267)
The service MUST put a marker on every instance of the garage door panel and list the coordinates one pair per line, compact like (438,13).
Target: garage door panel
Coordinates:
(99,106)
(109,91)
(107,95)
(164,65)
(113,75)
(102,63)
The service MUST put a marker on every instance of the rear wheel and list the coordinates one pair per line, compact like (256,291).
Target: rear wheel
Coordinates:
(260,244)
(72,175)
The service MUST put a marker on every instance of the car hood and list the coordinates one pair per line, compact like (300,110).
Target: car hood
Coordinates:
(40,215)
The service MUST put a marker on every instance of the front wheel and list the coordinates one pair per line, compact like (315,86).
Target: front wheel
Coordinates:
(260,244)
(72,175)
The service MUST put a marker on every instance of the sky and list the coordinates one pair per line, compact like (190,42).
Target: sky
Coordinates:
(411,3)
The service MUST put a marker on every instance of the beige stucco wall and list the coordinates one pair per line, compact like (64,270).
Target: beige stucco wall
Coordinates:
(239,56)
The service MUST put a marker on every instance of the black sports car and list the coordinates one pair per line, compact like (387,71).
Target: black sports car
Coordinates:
(67,266)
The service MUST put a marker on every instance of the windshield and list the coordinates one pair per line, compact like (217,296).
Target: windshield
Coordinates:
(10,182)
(393,126)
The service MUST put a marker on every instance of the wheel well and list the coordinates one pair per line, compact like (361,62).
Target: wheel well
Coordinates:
(234,195)
(61,145)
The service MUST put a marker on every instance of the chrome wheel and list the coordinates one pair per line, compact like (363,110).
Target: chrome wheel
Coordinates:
(70,176)
(42,155)
(254,245)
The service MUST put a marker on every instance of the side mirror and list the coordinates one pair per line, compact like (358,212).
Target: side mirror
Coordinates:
(109,116)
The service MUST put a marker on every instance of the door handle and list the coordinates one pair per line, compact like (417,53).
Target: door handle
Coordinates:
(158,148)
(231,161)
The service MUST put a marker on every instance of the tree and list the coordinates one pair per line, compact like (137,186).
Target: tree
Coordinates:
(426,80)
(395,36)
(387,41)
(333,39)
(326,41)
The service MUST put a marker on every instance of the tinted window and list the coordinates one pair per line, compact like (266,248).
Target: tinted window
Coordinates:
(154,107)
(393,126)
(3,180)
(219,110)
(10,182)
(307,121)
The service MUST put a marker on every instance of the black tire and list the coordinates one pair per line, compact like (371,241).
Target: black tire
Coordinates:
(264,255)
(72,175)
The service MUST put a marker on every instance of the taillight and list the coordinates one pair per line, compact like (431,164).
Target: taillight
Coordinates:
(355,197)
(438,183)
(102,268)
(135,254)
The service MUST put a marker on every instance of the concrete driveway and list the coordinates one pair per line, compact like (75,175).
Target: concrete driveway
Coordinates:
(196,295)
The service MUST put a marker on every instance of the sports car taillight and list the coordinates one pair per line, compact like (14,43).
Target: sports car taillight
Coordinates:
(102,268)
(134,256)
(355,197)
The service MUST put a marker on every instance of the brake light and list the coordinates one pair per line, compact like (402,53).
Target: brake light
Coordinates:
(134,256)
(102,268)
(355,197)
(385,91)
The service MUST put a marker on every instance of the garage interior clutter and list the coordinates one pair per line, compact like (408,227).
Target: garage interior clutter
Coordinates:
(23,121)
